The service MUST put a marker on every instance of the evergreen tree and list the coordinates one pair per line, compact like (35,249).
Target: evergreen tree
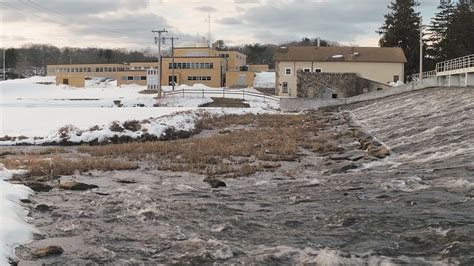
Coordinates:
(402,28)
(460,34)
(10,58)
(440,24)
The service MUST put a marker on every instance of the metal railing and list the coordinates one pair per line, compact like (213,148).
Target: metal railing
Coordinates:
(455,64)
(222,93)
(426,75)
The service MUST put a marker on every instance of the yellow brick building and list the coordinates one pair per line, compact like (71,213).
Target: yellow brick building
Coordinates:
(192,65)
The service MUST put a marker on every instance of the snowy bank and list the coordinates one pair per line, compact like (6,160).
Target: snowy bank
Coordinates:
(176,125)
(14,230)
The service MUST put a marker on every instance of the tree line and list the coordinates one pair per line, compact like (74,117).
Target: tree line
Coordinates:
(449,35)
(22,61)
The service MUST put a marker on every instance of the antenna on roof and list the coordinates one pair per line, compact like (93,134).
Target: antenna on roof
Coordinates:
(208,20)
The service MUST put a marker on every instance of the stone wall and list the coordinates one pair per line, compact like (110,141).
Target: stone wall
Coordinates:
(317,85)
(343,85)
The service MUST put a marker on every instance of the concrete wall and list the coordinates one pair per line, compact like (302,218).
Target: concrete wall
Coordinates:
(380,72)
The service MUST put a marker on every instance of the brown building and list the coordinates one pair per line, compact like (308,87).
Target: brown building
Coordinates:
(382,65)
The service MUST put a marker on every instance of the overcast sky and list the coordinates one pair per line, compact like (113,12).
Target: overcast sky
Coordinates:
(128,23)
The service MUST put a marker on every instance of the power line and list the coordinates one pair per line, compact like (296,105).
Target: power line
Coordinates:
(30,13)
(64,17)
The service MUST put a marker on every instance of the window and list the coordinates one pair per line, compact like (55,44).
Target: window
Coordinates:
(285,87)
(288,71)
(66,81)
(211,66)
(396,78)
(130,78)
(307,70)
(318,70)
(143,77)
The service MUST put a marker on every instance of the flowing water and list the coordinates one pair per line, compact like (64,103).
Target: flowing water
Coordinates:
(414,207)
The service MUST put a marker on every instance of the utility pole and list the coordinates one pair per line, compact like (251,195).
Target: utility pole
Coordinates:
(421,49)
(4,70)
(173,81)
(160,70)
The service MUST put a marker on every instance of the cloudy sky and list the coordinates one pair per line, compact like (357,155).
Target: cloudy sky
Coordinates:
(128,23)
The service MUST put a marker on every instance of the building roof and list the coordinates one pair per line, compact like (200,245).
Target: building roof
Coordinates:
(341,54)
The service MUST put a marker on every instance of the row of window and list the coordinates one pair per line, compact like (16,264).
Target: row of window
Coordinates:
(199,78)
(142,68)
(289,71)
(191,66)
(236,56)
(133,78)
(153,87)
(86,69)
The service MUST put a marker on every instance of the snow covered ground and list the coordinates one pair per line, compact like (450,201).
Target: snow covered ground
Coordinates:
(36,107)
(14,230)
(265,80)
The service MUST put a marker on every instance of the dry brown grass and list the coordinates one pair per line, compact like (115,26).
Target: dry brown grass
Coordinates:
(265,141)
(237,152)
(264,120)
(54,166)
(267,138)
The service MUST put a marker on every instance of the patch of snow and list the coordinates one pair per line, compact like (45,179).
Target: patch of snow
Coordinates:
(180,121)
(265,80)
(183,102)
(37,122)
(14,230)
(397,84)
(337,56)
(37,107)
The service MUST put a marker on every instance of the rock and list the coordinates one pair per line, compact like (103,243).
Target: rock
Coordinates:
(74,185)
(38,236)
(342,167)
(355,188)
(38,186)
(42,208)
(123,181)
(350,155)
(349,222)
(27,201)
(12,262)
(215,183)
(379,152)
(47,251)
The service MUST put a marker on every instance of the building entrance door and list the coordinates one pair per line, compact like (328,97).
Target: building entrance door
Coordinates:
(170,80)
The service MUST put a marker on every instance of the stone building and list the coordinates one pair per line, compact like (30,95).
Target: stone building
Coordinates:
(374,64)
